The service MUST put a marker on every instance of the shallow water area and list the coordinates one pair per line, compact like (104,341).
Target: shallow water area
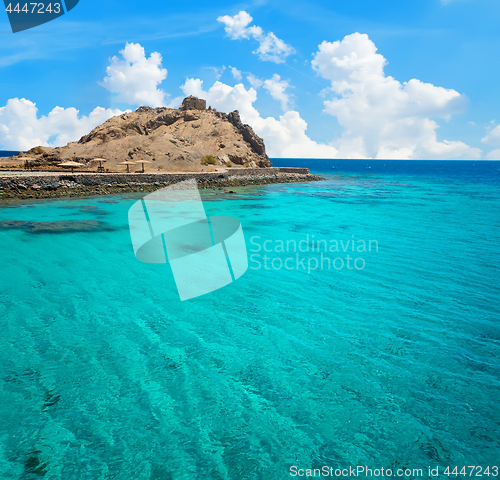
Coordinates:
(392,361)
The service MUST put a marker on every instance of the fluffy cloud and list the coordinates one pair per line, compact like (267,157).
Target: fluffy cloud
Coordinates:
(274,86)
(493,137)
(135,78)
(382,117)
(256,82)
(236,73)
(236,26)
(277,89)
(21,128)
(285,137)
(493,155)
(271,48)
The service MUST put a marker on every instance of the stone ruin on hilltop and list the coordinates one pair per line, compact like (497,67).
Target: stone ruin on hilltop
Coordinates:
(193,103)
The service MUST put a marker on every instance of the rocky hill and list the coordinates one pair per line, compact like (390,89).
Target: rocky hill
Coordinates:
(169,139)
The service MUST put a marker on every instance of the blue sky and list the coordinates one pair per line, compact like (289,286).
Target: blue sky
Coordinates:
(363,78)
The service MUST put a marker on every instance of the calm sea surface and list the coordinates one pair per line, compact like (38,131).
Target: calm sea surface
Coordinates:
(8,153)
(366,332)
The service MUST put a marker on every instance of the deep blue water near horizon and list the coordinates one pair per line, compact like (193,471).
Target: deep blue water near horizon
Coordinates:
(487,171)
(8,153)
(105,374)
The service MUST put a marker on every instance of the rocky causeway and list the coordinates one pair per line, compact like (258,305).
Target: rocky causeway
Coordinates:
(34,185)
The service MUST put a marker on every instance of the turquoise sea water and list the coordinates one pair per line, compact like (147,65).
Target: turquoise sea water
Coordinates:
(105,374)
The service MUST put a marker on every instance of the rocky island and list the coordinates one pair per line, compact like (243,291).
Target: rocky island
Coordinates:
(158,146)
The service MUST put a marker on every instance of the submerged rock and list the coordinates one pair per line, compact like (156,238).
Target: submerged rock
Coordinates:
(62,226)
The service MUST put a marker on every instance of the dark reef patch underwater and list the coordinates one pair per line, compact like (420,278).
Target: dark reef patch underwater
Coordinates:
(60,226)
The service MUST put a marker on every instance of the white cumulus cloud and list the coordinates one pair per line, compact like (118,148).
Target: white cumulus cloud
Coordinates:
(277,89)
(236,26)
(21,128)
(285,137)
(271,48)
(135,77)
(256,82)
(493,155)
(493,137)
(382,117)
(236,73)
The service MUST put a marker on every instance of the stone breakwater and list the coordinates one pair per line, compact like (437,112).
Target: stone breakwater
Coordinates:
(24,185)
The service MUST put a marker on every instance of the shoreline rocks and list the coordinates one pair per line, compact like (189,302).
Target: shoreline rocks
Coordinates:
(31,186)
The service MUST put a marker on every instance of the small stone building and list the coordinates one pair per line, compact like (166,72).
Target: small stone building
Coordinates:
(193,103)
